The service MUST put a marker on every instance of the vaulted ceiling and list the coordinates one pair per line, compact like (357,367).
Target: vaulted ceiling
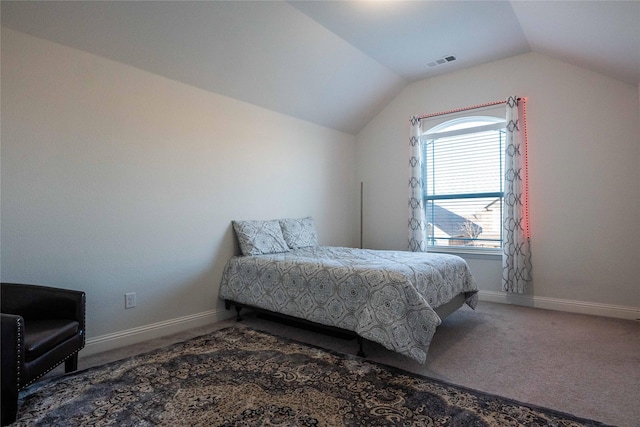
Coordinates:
(334,63)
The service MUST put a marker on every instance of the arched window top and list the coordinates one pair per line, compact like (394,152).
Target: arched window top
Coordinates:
(467,124)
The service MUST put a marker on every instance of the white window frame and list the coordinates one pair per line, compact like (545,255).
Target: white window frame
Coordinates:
(436,130)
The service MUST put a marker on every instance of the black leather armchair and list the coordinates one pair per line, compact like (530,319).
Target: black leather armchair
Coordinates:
(41,328)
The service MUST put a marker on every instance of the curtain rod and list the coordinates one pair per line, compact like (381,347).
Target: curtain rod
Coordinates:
(473,107)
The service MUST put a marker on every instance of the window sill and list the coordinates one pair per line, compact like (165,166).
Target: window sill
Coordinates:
(489,254)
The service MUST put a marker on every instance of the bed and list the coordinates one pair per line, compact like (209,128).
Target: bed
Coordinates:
(394,298)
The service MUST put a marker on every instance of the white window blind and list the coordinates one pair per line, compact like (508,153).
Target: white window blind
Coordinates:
(462,182)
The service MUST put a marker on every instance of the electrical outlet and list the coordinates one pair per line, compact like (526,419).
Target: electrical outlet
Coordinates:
(130,300)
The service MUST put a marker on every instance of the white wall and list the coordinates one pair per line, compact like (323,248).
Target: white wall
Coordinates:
(116,180)
(584,147)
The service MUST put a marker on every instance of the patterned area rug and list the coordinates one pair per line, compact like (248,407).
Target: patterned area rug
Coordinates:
(241,377)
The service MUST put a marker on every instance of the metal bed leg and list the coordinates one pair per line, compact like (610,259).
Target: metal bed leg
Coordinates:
(238,317)
(361,344)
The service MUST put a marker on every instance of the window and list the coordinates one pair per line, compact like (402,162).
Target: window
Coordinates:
(462,182)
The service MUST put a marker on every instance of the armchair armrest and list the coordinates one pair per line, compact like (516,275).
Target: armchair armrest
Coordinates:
(12,342)
(12,329)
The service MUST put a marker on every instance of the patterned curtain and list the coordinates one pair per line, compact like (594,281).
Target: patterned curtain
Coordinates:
(417,221)
(516,256)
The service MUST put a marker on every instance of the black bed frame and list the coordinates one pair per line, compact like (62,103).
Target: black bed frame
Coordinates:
(299,323)
(443,311)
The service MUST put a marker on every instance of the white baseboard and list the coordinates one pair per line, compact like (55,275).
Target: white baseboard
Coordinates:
(167,327)
(571,306)
(119,339)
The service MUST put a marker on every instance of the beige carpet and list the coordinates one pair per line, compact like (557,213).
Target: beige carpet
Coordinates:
(585,365)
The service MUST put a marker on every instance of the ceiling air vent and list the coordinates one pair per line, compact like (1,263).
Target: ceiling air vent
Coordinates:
(441,61)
